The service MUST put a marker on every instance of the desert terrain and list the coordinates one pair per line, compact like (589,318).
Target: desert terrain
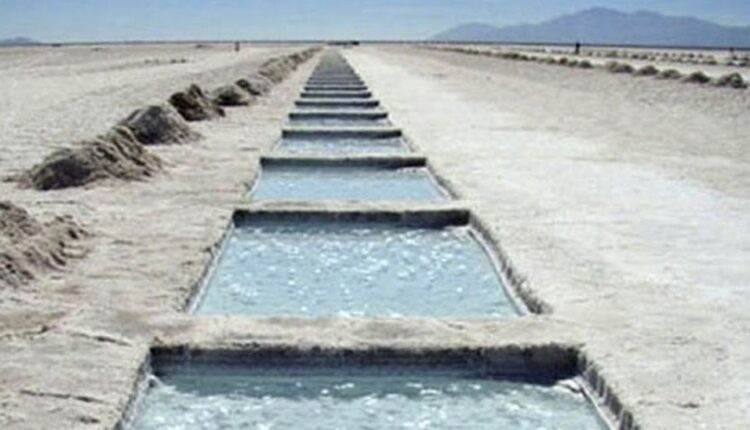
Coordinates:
(74,338)
(621,200)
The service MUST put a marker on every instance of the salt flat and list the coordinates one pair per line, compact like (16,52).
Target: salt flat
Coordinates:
(54,96)
(72,341)
(622,200)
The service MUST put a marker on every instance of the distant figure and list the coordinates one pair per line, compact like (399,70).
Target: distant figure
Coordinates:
(578,48)
(236,46)
(731,53)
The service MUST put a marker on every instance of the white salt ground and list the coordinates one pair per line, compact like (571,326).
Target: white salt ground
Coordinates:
(71,342)
(622,201)
(54,96)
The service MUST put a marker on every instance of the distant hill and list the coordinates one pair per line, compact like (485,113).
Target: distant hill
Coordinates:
(608,26)
(18,41)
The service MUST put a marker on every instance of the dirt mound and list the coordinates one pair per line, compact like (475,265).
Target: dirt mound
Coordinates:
(506,55)
(732,80)
(193,104)
(585,64)
(300,57)
(669,74)
(29,247)
(159,124)
(615,67)
(310,52)
(16,223)
(232,95)
(115,155)
(648,70)
(697,78)
(276,69)
(256,84)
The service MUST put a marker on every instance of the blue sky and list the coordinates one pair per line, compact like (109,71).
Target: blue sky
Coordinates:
(99,20)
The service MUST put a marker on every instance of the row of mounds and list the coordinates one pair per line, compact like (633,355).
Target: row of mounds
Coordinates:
(245,90)
(731,80)
(29,248)
(698,58)
(673,56)
(517,56)
(563,61)
(119,154)
(277,69)
(122,154)
(194,104)
(572,62)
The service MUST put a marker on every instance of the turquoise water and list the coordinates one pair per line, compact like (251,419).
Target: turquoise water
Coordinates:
(212,397)
(354,269)
(366,183)
(342,146)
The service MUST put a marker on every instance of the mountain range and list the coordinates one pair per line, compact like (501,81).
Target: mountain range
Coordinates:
(607,26)
(18,41)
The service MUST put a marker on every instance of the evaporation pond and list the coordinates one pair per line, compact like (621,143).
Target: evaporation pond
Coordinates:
(323,145)
(348,122)
(234,397)
(361,183)
(310,268)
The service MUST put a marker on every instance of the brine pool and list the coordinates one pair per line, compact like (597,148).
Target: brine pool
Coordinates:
(360,183)
(348,268)
(338,122)
(327,145)
(345,105)
(233,397)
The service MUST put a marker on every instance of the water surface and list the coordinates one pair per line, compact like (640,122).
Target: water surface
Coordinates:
(342,146)
(351,122)
(365,183)
(213,397)
(354,269)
